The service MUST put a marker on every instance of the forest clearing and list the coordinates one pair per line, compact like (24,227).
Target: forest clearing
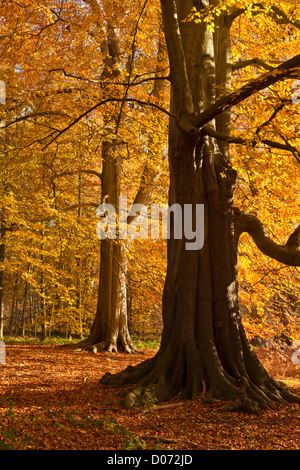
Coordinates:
(51,399)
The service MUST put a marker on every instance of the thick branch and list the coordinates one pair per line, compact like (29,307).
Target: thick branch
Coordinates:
(208,130)
(294,239)
(288,254)
(76,172)
(178,71)
(288,69)
(143,196)
(241,64)
(274,12)
(81,204)
(280,17)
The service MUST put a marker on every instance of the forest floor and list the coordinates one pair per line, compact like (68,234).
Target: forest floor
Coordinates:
(51,399)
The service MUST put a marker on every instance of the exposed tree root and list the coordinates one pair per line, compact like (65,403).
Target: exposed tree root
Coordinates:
(243,404)
(109,346)
(242,393)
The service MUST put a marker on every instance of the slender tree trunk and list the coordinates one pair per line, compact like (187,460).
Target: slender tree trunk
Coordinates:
(13,306)
(79,261)
(24,308)
(43,309)
(2,260)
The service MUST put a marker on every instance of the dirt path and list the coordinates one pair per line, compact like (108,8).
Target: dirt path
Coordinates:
(50,399)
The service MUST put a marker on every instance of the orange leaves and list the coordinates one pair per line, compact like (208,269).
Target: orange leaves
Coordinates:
(268,181)
(57,403)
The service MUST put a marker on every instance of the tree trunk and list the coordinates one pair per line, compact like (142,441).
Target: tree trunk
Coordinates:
(110,329)
(204,348)
(13,306)
(24,308)
(2,260)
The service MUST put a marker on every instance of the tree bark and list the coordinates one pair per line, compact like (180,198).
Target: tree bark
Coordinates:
(204,348)
(2,260)
(110,327)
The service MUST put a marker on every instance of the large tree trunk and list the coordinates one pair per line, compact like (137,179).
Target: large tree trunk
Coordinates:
(204,348)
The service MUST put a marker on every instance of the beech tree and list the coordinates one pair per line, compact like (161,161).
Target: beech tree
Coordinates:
(109,330)
(204,348)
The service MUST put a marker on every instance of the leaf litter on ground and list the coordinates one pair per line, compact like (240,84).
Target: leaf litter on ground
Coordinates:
(51,399)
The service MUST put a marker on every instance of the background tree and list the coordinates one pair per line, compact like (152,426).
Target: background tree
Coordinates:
(106,53)
(110,327)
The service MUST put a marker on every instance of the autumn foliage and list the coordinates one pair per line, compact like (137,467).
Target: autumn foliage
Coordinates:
(101,99)
(52,59)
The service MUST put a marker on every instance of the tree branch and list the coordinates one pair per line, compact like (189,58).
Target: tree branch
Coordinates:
(280,17)
(96,106)
(272,117)
(65,209)
(294,240)
(274,12)
(134,82)
(288,69)
(143,196)
(208,130)
(76,172)
(255,61)
(81,204)
(33,115)
(288,254)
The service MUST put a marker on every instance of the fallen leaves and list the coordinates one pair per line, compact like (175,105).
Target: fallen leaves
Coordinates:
(51,399)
